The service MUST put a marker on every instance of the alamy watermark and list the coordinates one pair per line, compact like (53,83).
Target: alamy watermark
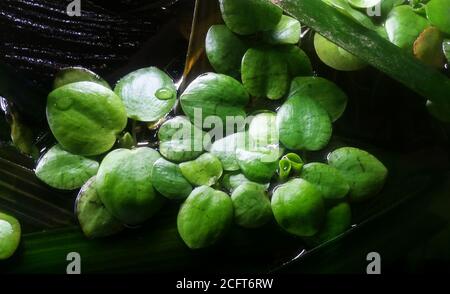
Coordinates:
(74,266)
(74,8)
(374,266)
(259,136)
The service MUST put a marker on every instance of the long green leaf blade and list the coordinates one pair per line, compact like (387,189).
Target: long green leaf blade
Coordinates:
(372,48)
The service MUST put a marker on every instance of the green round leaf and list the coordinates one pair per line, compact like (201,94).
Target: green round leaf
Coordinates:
(335,56)
(204,217)
(85,117)
(214,94)
(169,181)
(297,61)
(95,220)
(179,140)
(206,170)
(438,13)
(225,150)
(330,96)
(63,170)
(231,181)
(265,73)
(251,204)
(298,207)
(225,50)
(363,172)
(258,164)
(287,31)
(71,75)
(144,93)
(303,124)
(10,232)
(337,220)
(364,3)
(250,16)
(124,184)
(328,180)
(403,26)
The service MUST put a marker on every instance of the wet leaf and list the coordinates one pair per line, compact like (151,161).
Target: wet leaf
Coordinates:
(438,12)
(204,217)
(258,164)
(206,170)
(95,220)
(303,124)
(328,180)
(251,204)
(216,95)
(179,140)
(363,172)
(10,233)
(403,26)
(124,184)
(328,94)
(287,31)
(63,170)
(225,50)
(297,60)
(225,150)
(251,16)
(70,75)
(265,73)
(85,117)
(298,207)
(231,181)
(335,56)
(169,181)
(148,94)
